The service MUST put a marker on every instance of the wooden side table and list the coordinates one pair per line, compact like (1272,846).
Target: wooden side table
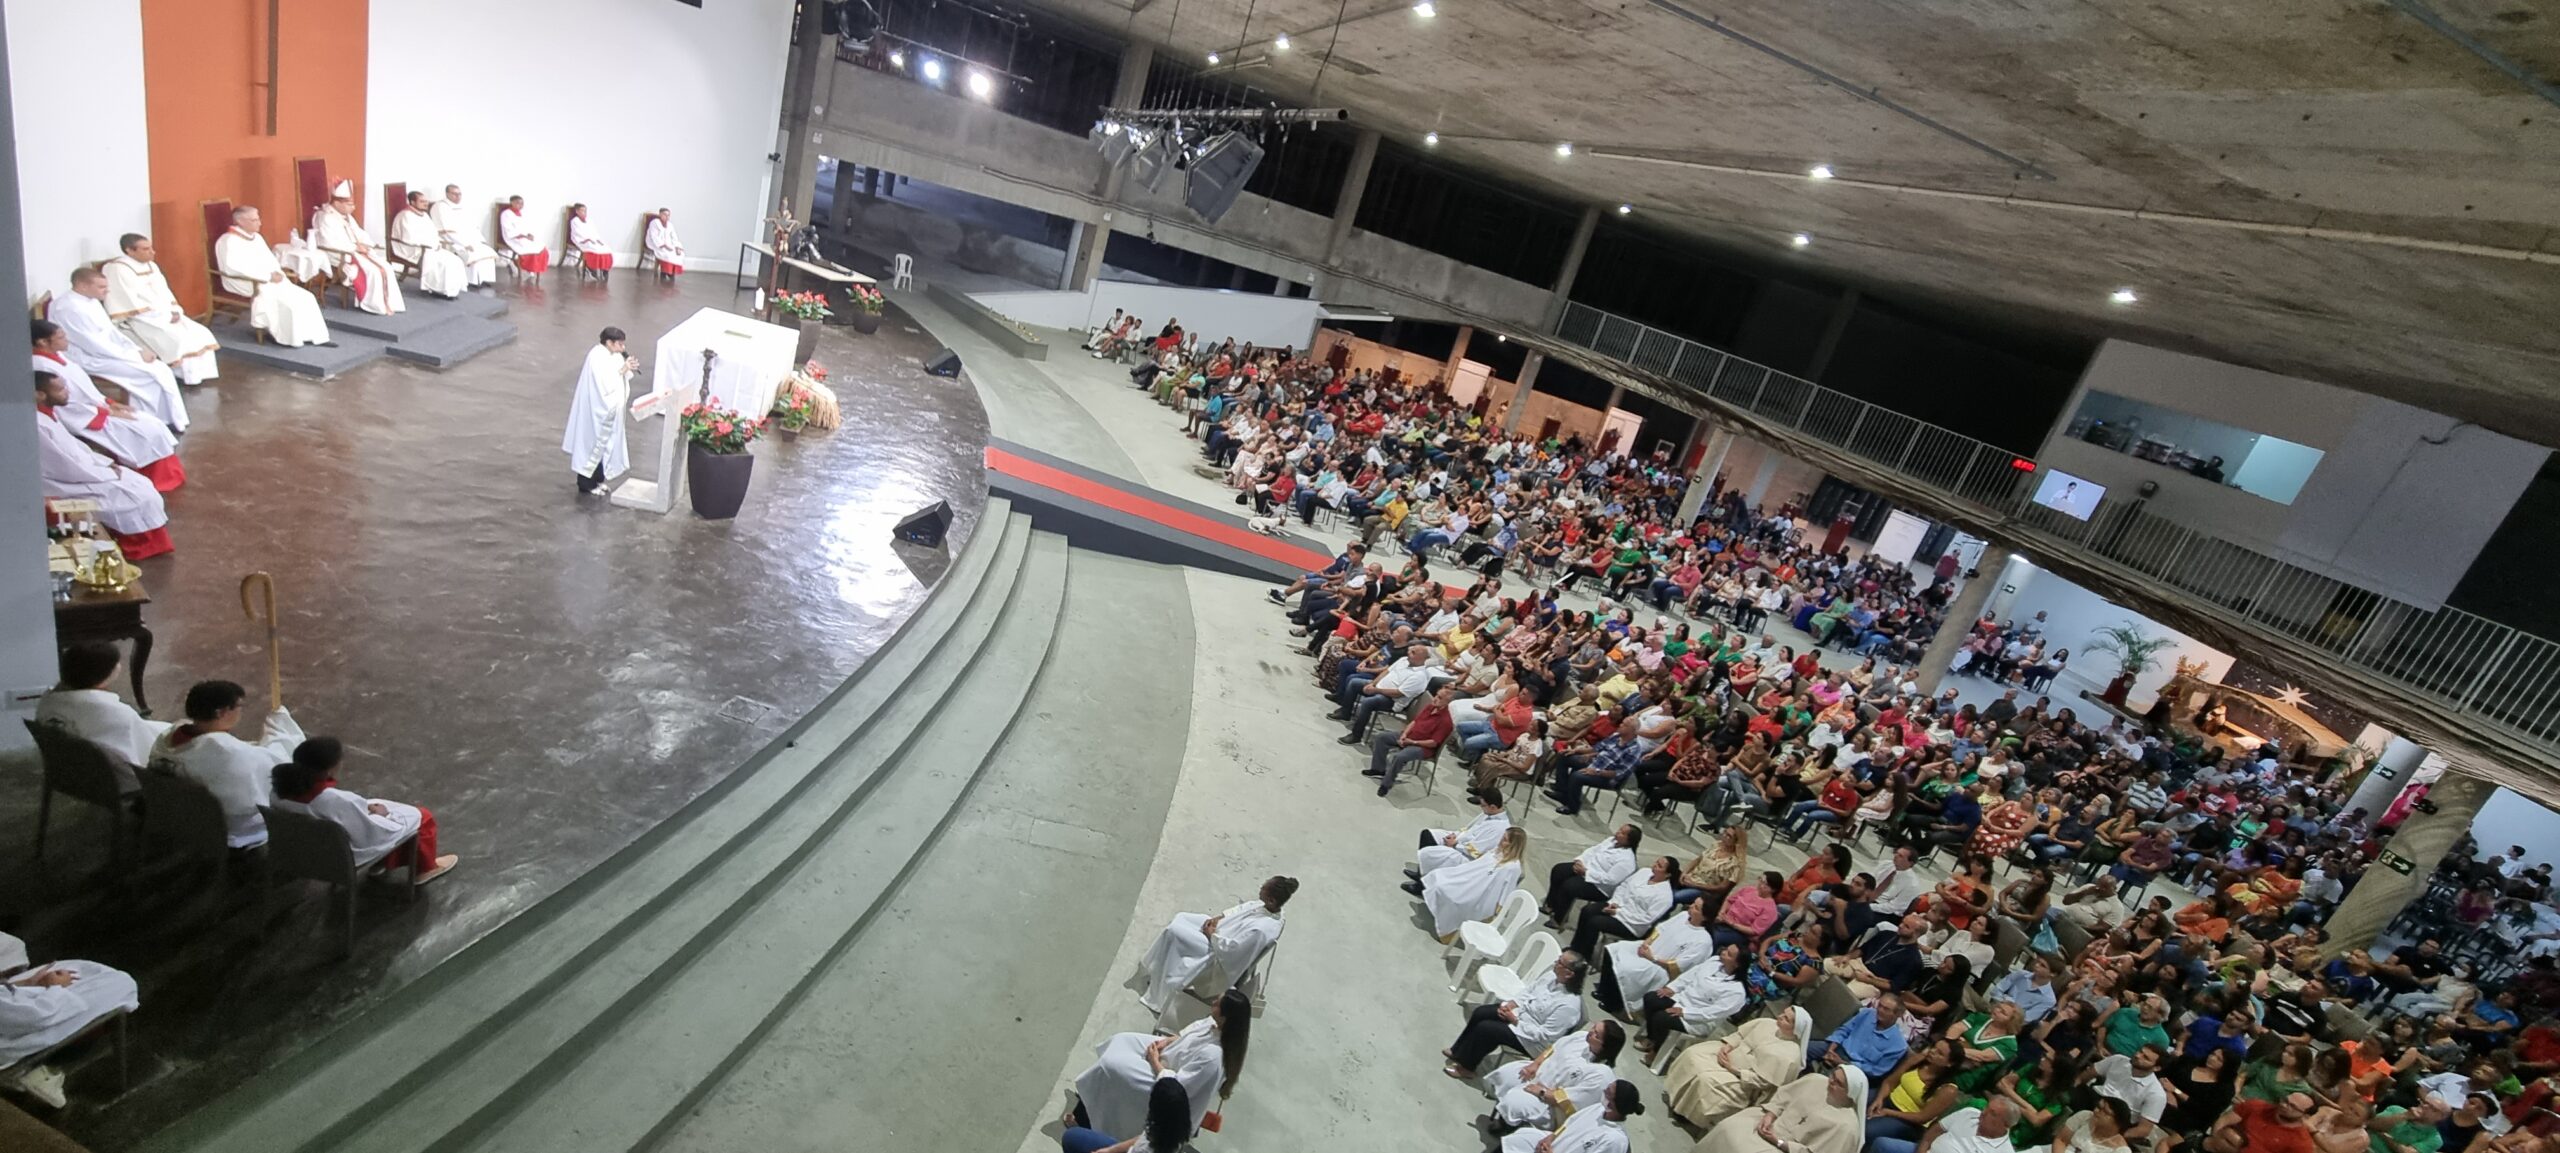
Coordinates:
(91,615)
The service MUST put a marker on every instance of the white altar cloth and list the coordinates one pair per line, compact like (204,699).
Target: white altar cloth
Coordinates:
(753,359)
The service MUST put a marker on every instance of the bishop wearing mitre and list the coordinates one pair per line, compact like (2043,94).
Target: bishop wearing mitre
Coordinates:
(334,229)
(415,238)
(454,228)
(285,311)
(598,450)
(531,255)
(139,300)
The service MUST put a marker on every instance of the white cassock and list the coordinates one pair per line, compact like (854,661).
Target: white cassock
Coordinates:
(239,774)
(1468,891)
(103,719)
(530,253)
(478,259)
(1548,1011)
(1605,864)
(664,247)
(137,442)
(1587,1131)
(1182,952)
(127,504)
(1641,900)
(1708,996)
(582,236)
(286,311)
(1478,838)
(36,1018)
(139,299)
(595,415)
(415,238)
(372,835)
(104,351)
(338,235)
(1682,945)
(1115,1088)
(1566,1067)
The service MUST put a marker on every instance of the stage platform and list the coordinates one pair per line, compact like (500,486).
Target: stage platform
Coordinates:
(428,331)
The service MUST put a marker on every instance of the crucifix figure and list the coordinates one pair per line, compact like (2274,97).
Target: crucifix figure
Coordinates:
(783,225)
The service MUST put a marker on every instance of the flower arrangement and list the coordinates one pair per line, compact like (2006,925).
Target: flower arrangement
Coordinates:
(718,430)
(814,371)
(870,299)
(802,305)
(792,406)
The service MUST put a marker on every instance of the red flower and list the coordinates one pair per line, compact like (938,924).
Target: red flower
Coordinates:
(720,426)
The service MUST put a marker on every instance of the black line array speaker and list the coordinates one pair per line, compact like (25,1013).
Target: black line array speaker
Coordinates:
(943,363)
(1225,163)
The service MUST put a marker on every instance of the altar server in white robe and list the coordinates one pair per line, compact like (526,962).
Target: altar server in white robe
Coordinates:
(50,1004)
(83,706)
(594,255)
(285,311)
(70,470)
(1631,969)
(596,444)
(308,784)
(1206,1057)
(1442,848)
(135,440)
(1473,889)
(1601,1129)
(454,231)
(1572,1073)
(240,774)
(527,250)
(1231,941)
(664,247)
(138,299)
(416,239)
(360,267)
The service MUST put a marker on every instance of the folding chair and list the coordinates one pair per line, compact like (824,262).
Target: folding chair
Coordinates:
(83,771)
(1830,1003)
(302,847)
(181,823)
(1504,982)
(1491,941)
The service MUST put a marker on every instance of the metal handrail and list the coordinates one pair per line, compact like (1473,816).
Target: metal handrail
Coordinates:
(2494,673)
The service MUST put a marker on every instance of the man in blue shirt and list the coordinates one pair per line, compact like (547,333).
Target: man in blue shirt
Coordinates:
(1956,820)
(2030,988)
(1607,766)
(1872,1040)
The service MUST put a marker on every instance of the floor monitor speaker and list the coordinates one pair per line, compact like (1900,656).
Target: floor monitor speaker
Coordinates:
(925,526)
(943,363)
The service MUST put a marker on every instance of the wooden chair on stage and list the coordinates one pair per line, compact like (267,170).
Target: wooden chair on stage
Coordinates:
(571,256)
(311,190)
(498,241)
(646,260)
(395,200)
(221,301)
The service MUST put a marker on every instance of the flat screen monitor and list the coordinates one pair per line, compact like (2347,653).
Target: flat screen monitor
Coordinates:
(2068,494)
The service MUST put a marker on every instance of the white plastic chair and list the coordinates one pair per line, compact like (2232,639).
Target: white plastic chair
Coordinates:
(1493,940)
(1502,982)
(902,274)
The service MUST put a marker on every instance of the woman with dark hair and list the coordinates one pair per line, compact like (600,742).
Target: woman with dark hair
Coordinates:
(1936,995)
(1917,1093)
(1600,1130)
(1230,942)
(1546,1009)
(1168,1126)
(1113,1095)
(1570,1075)
(2200,1090)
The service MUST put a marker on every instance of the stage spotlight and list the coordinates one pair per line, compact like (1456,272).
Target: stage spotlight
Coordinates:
(981,85)
(1431,139)
(932,70)
(1213,58)
(1802,240)
(897,59)
(1280,43)
(1425,10)
(1565,149)
(2123,296)
(1624,209)
(1820,172)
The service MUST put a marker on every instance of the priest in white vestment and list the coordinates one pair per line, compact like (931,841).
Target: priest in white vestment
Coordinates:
(593,253)
(1573,1072)
(308,784)
(50,1004)
(139,299)
(597,446)
(83,706)
(334,229)
(526,249)
(135,441)
(1230,941)
(285,311)
(663,245)
(1442,848)
(453,229)
(128,506)
(416,239)
(104,351)
(240,774)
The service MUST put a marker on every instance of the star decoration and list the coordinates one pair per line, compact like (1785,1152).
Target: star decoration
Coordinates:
(2293,696)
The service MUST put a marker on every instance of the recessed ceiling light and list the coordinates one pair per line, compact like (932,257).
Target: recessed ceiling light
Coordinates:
(897,60)
(932,69)
(1624,209)
(1499,338)
(1424,10)
(1431,138)
(1820,172)
(1213,58)
(1281,42)
(980,85)
(1803,239)
(1565,149)
(2123,296)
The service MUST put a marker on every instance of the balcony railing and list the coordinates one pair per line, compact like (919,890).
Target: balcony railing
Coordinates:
(2473,665)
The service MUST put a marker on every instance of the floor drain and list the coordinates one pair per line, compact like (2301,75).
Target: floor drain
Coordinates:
(744,711)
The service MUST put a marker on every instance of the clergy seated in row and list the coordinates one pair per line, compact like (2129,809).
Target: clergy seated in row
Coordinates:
(104,351)
(531,255)
(128,505)
(285,311)
(351,253)
(594,255)
(663,245)
(238,772)
(385,833)
(42,1006)
(455,234)
(129,438)
(139,301)
(85,705)
(416,240)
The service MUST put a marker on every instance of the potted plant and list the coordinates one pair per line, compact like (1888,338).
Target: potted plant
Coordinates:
(791,409)
(716,455)
(2136,652)
(809,310)
(869,303)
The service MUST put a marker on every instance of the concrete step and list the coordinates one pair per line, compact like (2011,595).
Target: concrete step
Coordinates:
(635,1080)
(454,341)
(240,344)
(659,892)
(419,312)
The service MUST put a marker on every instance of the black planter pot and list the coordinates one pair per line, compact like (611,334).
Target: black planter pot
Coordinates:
(718,481)
(865,322)
(808,341)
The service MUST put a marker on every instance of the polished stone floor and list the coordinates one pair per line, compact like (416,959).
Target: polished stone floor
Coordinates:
(550,674)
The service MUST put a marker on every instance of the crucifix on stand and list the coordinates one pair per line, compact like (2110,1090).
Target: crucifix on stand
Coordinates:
(783,225)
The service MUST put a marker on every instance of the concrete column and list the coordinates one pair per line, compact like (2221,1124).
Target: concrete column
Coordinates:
(1458,347)
(1961,613)
(1846,307)
(1761,476)
(1520,391)
(1572,268)
(1703,477)
(846,195)
(1125,93)
(1280,285)
(1071,261)
(1617,395)
(2407,858)
(1346,199)
(2385,777)
(801,115)
(1093,240)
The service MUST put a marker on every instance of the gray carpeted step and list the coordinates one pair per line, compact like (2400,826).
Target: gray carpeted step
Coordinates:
(240,343)
(453,341)
(419,313)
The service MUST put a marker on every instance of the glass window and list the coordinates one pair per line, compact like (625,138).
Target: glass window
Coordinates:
(2255,463)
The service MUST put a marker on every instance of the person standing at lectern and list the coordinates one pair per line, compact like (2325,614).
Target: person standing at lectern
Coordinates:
(597,448)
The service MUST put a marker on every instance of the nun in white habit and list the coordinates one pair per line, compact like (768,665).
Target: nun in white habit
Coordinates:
(1111,1094)
(597,446)
(1573,1072)
(1472,890)
(1231,941)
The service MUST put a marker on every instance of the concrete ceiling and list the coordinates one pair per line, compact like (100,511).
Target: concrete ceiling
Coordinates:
(2358,118)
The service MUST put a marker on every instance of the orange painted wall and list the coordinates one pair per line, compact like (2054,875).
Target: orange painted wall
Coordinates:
(205,66)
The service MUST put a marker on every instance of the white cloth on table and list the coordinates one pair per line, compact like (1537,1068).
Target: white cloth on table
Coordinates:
(135,441)
(1478,838)
(1182,952)
(1470,890)
(351,252)
(372,835)
(596,434)
(285,311)
(753,359)
(239,774)
(103,719)
(1683,945)
(1566,1067)
(1587,1131)
(416,239)
(138,298)
(479,261)
(34,1018)
(127,504)
(1115,1088)
(301,259)
(106,352)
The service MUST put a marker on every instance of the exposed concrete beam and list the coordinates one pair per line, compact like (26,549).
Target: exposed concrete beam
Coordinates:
(1355,184)
(801,115)
(1573,253)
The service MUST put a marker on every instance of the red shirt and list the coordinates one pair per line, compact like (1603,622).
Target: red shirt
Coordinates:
(1430,726)
(2261,1132)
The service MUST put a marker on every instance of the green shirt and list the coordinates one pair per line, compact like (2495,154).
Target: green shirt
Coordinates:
(2262,1084)
(2415,1134)
(2126,1034)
